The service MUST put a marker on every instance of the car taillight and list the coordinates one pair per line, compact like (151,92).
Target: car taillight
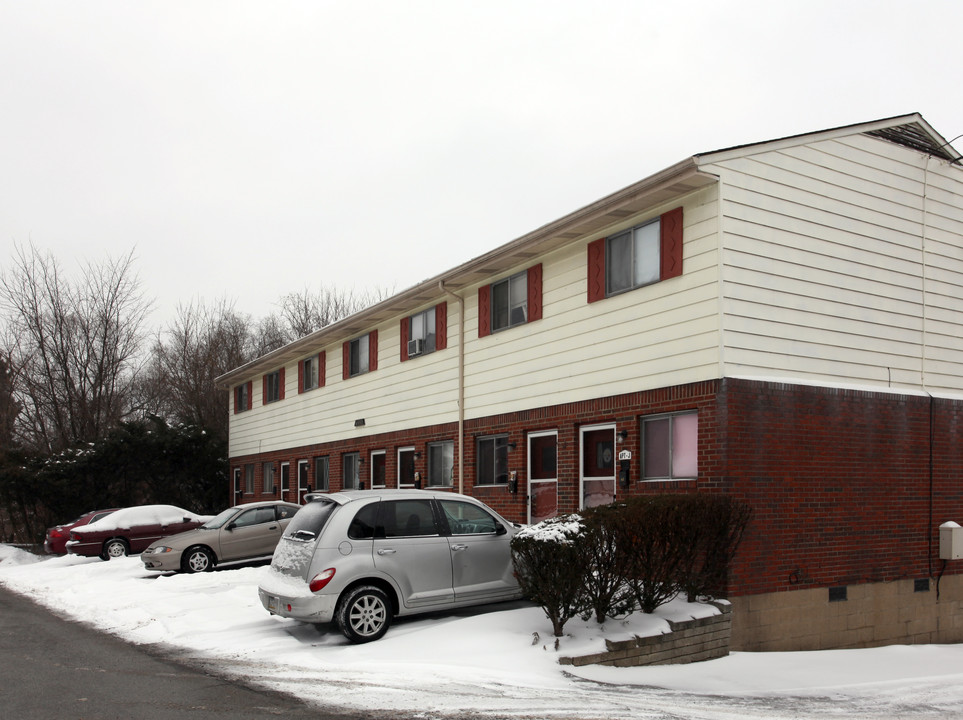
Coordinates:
(321,579)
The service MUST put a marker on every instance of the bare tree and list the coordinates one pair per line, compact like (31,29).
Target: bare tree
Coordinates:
(305,312)
(199,345)
(9,407)
(75,348)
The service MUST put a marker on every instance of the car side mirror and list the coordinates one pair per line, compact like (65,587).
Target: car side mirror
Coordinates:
(231,526)
(500,529)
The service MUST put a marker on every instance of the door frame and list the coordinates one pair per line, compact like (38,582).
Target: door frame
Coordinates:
(528,460)
(581,460)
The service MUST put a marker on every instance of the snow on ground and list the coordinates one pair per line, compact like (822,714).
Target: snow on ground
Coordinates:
(481,662)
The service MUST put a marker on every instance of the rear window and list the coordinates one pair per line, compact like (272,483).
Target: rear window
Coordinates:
(308,522)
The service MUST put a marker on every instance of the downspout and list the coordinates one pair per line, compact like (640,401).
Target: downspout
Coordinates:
(923,233)
(461,385)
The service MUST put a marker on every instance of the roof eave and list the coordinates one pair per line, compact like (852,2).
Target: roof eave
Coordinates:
(674,181)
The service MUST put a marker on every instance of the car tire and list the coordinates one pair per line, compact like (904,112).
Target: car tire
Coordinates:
(115,548)
(197,559)
(363,614)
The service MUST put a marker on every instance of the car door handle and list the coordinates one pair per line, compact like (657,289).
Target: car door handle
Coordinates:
(273,527)
(459,547)
(386,552)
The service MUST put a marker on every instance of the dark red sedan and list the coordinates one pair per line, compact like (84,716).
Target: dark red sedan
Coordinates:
(57,537)
(131,530)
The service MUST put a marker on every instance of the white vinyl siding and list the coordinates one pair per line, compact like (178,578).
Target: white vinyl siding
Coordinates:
(823,265)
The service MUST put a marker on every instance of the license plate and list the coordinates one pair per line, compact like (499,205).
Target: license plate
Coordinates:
(273,604)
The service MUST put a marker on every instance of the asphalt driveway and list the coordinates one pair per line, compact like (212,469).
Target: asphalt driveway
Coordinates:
(53,668)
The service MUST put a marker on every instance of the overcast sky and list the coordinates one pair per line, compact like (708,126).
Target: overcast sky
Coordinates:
(244,150)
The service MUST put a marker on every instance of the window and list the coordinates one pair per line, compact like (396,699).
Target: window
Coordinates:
(510,302)
(256,516)
(311,373)
(408,518)
(274,386)
(516,300)
(242,397)
(467,519)
(492,460)
(632,258)
(421,333)
(670,445)
(249,479)
(642,255)
(350,467)
(269,478)
(441,460)
(321,474)
(360,355)
(378,469)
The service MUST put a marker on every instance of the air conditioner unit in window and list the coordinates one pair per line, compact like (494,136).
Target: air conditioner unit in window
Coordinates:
(416,347)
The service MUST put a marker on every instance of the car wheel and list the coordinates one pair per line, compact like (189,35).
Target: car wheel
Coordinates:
(115,548)
(197,559)
(364,614)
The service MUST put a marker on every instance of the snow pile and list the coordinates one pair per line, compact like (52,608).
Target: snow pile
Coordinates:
(142,515)
(499,661)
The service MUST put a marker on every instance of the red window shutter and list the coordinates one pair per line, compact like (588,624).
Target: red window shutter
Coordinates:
(671,241)
(250,394)
(300,376)
(484,310)
(404,338)
(441,326)
(281,384)
(346,360)
(372,351)
(321,359)
(237,391)
(595,261)
(535,292)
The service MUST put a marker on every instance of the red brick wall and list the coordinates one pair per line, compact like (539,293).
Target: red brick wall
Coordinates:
(839,480)
(840,483)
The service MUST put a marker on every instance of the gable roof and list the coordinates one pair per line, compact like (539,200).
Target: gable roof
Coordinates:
(910,131)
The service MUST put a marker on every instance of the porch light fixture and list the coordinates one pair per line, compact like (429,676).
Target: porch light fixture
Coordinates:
(623,434)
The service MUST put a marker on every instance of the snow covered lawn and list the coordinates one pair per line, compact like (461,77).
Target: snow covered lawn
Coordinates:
(497,662)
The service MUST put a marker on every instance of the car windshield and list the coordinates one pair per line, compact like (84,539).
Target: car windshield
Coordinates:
(219,520)
(310,519)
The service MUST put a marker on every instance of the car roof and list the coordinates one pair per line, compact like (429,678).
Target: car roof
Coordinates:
(347,496)
(262,503)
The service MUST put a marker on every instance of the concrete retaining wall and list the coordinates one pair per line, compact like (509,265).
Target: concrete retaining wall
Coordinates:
(689,641)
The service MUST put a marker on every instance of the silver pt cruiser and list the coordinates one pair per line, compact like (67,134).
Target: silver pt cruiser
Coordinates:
(359,558)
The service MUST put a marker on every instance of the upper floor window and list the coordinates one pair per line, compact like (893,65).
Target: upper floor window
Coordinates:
(360,355)
(274,386)
(513,301)
(670,446)
(492,460)
(311,372)
(242,397)
(636,257)
(510,302)
(632,258)
(424,332)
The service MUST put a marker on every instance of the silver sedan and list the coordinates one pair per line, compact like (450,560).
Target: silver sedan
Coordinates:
(241,533)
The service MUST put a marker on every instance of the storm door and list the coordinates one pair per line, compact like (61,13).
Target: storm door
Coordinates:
(597,465)
(542,476)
